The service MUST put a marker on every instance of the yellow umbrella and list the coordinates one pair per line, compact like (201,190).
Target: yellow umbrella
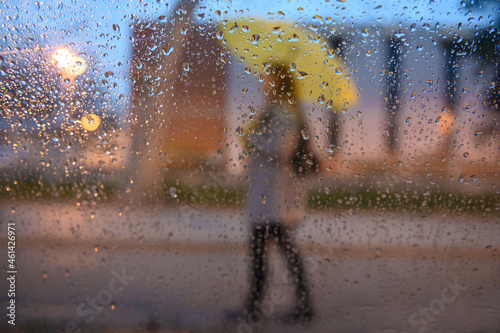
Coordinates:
(318,74)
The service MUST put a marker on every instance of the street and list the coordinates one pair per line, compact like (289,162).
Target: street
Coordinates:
(167,268)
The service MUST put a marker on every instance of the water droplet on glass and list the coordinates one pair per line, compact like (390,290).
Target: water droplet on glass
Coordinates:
(255,39)
(167,50)
(240,131)
(276,30)
(313,27)
(173,192)
(263,199)
(408,120)
(305,134)
(233,28)
(301,75)
(321,99)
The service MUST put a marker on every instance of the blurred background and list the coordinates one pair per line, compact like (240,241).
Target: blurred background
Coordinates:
(123,167)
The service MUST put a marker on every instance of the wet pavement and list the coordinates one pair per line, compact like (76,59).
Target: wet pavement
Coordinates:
(112,268)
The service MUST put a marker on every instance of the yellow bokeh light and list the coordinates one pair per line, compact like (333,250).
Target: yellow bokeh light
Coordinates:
(90,122)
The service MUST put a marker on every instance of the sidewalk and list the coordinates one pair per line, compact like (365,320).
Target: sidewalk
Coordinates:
(190,225)
(368,272)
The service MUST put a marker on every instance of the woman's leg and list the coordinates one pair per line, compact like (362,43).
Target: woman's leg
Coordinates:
(294,262)
(258,265)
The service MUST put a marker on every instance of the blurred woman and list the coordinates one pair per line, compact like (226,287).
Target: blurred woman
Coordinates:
(276,194)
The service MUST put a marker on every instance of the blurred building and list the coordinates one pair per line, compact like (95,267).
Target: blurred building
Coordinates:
(203,98)
(190,101)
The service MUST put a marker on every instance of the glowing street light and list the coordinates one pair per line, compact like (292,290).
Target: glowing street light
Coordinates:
(70,66)
(68,63)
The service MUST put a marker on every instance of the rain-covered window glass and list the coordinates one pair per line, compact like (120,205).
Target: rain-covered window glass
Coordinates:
(250,166)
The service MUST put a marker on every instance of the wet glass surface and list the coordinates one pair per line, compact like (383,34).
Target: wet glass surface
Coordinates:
(212,166)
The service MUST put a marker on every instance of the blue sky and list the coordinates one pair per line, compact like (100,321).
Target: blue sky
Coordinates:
(102,29)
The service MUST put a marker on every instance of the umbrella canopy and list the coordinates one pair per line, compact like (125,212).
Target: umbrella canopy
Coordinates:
(319,76)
